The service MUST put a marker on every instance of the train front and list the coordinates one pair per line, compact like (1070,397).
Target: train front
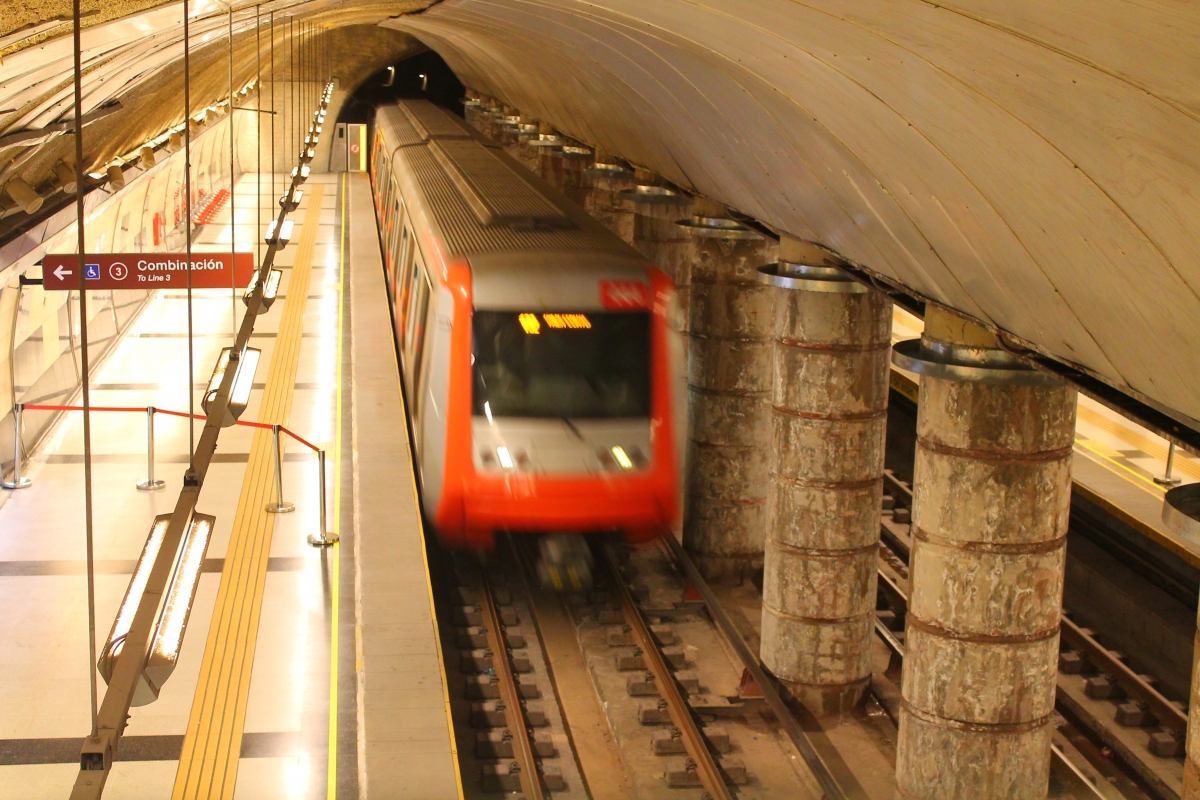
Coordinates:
(572,413)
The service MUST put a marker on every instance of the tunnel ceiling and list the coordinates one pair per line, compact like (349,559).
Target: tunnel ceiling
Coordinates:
(1031,164)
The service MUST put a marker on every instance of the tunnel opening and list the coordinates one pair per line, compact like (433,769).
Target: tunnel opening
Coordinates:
(424,75)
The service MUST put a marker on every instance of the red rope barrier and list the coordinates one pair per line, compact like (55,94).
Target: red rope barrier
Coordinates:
(168,412)
(308,444)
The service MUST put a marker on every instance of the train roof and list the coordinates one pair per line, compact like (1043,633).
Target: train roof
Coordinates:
(481,201)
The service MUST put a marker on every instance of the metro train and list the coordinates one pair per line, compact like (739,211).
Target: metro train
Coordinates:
(536,352)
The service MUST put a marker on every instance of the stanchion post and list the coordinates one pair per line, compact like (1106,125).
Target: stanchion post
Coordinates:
(1167,479)
(279,506)
(150,484)
(17,481)
(324,537)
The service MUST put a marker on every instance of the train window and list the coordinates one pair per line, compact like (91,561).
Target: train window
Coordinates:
(537,365)
(404,276)
(418,304)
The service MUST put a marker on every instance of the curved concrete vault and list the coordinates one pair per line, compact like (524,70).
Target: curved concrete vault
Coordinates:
(1030,164)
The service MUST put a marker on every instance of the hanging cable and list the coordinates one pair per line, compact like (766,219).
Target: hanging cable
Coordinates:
(187,233)
(232,204)
(258,135)
(274,167)
(81,247)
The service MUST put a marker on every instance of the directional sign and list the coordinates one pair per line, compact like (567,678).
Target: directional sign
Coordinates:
(146,271)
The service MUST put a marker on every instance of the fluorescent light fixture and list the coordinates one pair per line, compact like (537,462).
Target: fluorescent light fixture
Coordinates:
(167,640)
(270,289)
(116,177)
(622,457)
(487,409)
(291,200)
(284,236)
(300,174)
(243,382)
(506,459)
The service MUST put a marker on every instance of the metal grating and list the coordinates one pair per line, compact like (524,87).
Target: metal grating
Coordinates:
(460,228)
(496,193)
(401,133)
(432,122)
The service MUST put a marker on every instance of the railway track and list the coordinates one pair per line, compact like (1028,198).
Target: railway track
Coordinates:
(680,724)
(1126,729)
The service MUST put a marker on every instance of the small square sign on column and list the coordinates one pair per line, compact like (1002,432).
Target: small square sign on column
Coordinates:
(91,272)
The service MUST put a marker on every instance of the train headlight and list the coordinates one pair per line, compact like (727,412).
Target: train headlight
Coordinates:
(621,457)
(506,459)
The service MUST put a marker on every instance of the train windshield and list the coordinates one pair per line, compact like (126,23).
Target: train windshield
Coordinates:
(582,365)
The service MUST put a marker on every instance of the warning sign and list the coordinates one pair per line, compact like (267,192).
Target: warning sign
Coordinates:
(147,271)
(354,148)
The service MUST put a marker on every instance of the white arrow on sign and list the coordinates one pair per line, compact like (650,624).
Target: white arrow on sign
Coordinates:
(61,273)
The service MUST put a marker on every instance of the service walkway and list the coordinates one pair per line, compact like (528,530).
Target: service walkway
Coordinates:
(302,674)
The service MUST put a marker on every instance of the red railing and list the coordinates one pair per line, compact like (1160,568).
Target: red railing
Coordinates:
(168,412)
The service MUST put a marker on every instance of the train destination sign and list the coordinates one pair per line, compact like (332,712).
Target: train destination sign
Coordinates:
(146,270)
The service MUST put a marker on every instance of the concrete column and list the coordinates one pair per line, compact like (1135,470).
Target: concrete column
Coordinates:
(607,177)
(992,491)
(829,422)
(575,161)
(729,383)
(655,235)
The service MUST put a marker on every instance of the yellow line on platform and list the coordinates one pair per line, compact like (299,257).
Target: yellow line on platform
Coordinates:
(212,744)
(331,790)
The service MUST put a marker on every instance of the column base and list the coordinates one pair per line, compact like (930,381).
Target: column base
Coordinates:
(830,699)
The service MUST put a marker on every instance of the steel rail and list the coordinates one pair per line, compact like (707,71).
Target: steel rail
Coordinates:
(514,712)
(775,702)
(711,776)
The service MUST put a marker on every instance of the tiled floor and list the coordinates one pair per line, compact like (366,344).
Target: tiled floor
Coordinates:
(43,632)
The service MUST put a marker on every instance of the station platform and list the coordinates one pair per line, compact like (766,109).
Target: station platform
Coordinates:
(305,672)
(1116,460)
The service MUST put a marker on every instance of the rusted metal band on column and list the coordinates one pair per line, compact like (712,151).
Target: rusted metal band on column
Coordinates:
(830,347)
(1006,456)
(713,338)
(700,390)
(823,552)
(1001,728)
(993,548)
(810,483)
(816,620)
(912,621)
(861,416)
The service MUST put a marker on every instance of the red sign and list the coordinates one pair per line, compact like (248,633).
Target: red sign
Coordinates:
(354,148)
(623,295)
(145,271)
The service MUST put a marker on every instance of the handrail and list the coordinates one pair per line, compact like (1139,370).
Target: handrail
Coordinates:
(168,412)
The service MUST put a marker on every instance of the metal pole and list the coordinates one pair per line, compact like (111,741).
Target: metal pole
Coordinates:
(323,538)
(150,484)
(279,506)
(17,481)
(1166,479)
(233,321)
(85,368)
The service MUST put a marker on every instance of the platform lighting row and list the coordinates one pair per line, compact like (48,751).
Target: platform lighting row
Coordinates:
(172,616)
(185,577)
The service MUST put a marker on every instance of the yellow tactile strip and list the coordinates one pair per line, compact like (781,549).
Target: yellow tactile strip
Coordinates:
(209,762)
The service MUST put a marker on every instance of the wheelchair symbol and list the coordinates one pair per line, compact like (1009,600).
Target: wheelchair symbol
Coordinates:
(91,272)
